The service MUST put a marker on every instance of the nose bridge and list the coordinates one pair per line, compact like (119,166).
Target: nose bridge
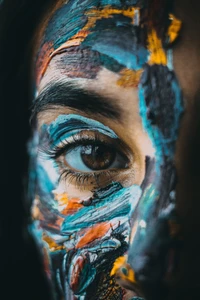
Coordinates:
(154,225)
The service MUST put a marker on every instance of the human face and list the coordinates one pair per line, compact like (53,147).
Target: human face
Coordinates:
(107,113)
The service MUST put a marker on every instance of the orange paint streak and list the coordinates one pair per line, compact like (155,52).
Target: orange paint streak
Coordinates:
(43,60)
(93,15)
(47,263)
(93,233)
(72,207)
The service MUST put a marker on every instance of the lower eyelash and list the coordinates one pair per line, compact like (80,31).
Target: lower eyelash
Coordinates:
(93,178)
(76,178)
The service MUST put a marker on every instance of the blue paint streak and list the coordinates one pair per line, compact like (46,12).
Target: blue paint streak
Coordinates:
(108,206)
(154,134)
(164,146)
(45,187)
(111,2)
(132,60)
(67,21)
(68,125)
(44,180)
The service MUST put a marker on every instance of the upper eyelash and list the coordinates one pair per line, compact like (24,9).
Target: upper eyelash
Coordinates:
(64,145)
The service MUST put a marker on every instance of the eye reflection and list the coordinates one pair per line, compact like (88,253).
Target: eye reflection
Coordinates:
(94,157)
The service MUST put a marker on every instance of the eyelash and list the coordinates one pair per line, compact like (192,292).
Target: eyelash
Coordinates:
(75,140)
(79,179)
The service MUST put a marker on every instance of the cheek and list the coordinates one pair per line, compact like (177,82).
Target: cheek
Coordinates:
(86,215)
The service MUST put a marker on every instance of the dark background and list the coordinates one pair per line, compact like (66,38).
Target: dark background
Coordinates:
(20,267)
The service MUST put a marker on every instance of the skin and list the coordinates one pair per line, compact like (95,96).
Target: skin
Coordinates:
(62,205)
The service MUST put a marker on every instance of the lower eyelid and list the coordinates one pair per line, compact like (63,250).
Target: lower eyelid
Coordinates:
(91,180)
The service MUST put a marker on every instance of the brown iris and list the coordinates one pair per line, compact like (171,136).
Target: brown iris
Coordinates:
(97,157)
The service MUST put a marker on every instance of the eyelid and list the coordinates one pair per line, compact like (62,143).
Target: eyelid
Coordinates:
(67,125)
(84,138)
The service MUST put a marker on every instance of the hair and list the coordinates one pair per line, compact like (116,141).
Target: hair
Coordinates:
(20,264)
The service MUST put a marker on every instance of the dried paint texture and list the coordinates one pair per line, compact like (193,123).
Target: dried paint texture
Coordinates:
(90,232)
(86,237)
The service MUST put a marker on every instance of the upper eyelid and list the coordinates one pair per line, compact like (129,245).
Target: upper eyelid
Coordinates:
(54,151)
(79,139)
(71,123)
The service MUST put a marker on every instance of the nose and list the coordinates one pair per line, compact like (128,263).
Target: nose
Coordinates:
(154,239)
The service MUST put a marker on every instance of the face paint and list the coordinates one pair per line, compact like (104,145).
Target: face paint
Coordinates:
(86,230)
(97,236)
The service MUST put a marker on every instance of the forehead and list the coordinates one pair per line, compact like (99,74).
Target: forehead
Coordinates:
(107,33)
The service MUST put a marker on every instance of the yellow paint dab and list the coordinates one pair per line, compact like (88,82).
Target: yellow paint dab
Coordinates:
(62,198)
(119,262)
(53,246)
(174,28)
(129,78)
(35,211)
(123,270)
(108,11)
(157,53)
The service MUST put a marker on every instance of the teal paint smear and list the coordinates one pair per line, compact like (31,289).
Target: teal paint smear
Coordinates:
(47,185)
(88,274)
(110,63)
(117,3)
(68,125)
(67,21)
(154,134)
(134,60)
(165,146)
(161,107)
(130,53)
(115,202)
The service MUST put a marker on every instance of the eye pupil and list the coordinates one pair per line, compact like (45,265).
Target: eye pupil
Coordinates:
(97,157)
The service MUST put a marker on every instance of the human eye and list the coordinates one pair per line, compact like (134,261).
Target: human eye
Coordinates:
(86,154)
(89,158)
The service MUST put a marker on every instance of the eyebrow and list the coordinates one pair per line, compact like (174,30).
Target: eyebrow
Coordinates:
(70,95)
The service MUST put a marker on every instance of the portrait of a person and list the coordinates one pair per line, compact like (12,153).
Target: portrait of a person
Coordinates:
(107,108)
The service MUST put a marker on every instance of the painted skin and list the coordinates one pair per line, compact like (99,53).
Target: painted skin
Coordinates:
(88,217)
